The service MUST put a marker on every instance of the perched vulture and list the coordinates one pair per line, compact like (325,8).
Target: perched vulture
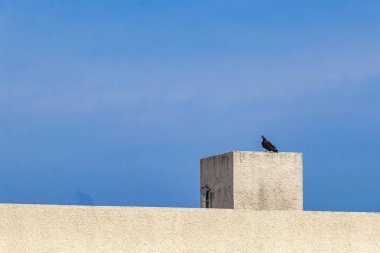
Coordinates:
(267,145)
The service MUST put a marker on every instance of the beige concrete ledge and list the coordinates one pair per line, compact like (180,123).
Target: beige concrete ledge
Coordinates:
(45,228)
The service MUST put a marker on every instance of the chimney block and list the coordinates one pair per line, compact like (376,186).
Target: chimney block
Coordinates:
(252,180)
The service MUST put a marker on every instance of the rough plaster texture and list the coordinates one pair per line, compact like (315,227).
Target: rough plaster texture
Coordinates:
(37,228)
(254,180)
(268,181)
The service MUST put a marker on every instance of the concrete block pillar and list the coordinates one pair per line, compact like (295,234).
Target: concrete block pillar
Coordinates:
(252,180)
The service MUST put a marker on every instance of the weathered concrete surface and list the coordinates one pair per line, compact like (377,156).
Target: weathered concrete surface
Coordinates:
(217,173)
(267,181)
(37,228)
(254,180)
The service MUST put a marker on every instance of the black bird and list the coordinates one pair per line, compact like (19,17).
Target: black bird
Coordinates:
(267,145)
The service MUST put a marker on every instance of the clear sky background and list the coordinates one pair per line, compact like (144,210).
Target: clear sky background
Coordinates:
(115,102)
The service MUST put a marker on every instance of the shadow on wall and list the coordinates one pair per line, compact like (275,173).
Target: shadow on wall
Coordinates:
(84,198)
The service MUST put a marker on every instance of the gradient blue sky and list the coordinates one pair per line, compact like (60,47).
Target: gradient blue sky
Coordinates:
(115,102)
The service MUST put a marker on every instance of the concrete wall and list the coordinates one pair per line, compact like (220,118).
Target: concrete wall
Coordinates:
(267,181)
(217,173)
(37,228)
(254,180)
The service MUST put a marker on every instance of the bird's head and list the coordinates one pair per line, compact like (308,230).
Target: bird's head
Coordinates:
(262,137)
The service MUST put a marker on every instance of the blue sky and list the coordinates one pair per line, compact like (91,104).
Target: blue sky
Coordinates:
(115,102)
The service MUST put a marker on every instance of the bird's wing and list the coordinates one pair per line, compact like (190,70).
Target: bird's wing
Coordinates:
(270,146)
